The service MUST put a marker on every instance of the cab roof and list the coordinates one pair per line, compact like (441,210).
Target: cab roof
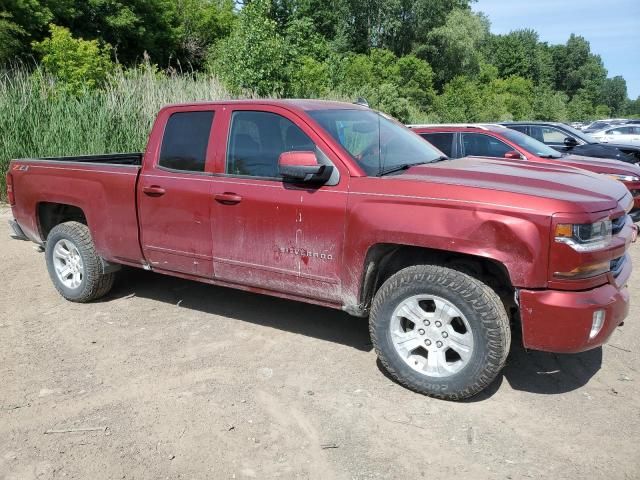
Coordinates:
(292,104)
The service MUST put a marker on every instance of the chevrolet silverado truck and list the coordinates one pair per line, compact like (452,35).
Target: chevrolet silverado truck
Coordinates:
(341,206)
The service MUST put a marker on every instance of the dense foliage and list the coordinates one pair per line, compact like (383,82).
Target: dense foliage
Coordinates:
(419,60)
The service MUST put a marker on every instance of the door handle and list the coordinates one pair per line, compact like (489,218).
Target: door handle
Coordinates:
(154,191)
(227,198)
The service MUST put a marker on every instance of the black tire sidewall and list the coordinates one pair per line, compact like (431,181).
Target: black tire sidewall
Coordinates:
(54,237)
(451,386)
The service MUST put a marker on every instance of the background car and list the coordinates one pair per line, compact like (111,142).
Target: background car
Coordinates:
(564,138)
(629,134)
(492,140)
(600,124)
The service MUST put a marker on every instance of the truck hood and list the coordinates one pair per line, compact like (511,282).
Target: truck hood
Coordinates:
(542,180)
(600,165)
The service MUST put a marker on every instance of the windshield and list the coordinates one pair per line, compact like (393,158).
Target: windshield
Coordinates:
(530,144)
(376,142)
(578,134)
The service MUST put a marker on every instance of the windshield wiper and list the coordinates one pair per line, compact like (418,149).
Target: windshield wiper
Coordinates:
(550,156)
(405,166)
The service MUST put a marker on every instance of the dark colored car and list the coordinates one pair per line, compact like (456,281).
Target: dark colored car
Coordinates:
(564,138)
(458,141)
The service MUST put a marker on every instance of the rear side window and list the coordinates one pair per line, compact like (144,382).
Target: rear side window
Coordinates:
(480,145)
(442,141)
(185,141)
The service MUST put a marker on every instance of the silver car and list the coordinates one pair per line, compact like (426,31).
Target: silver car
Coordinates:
(621,134)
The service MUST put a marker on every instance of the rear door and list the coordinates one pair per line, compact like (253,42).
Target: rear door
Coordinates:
(174,194)
(270,234)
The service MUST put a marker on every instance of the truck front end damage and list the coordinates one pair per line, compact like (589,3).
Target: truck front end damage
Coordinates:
(589,268)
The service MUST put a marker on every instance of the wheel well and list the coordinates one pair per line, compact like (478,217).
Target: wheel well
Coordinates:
(52,214)
(384,260)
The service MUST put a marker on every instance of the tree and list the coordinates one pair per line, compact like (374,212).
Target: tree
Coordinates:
(77,64)
(614,95)
(201,24)
(461,101)
(10,38)
(549,104)
(520,53)
(454,49)
(576,68)
(253,56)
(633,108)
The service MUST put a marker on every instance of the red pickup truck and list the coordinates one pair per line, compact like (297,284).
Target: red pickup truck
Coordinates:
(341,206)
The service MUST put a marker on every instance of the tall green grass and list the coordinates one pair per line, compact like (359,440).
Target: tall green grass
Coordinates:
(37,119)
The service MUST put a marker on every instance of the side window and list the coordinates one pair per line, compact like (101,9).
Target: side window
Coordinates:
(442,141)
(616,131)
(481,145)
(256,141)
(552,136)
(520,128)
(185,141)
(535,131)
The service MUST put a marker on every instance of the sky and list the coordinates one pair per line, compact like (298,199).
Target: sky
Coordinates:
(612,27)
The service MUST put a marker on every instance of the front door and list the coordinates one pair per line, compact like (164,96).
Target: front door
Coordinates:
(174,197)
(270,234)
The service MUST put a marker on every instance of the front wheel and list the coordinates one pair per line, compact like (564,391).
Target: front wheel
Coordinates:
(439,331)
(74,266)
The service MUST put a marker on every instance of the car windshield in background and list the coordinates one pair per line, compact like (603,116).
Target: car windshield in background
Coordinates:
(530,144)
(378,144)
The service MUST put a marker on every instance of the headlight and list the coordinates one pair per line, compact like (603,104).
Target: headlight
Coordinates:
(585,237)
(623,178)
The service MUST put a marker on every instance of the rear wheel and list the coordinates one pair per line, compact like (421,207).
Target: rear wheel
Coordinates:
(439,331)
(74,266)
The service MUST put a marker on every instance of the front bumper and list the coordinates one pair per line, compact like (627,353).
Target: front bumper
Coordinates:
(560,321)
(16,231)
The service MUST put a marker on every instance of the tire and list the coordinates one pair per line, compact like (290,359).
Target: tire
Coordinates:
(86,282)
(450,304)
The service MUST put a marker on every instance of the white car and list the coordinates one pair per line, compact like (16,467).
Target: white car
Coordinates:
(621,134)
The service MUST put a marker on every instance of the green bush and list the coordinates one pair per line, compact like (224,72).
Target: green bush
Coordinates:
(77,64)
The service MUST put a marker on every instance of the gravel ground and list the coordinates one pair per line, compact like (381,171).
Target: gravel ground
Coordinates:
(185,380)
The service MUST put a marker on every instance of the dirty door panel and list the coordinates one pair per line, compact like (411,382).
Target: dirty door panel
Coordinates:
(174,196)
(275,235)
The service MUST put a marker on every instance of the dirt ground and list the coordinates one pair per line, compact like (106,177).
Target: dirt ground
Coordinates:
(191,381)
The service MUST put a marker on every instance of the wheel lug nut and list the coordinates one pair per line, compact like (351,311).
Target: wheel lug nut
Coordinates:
(438,344)
(421,332)
(427,342)
(438,324)
(427,323)
(445,334)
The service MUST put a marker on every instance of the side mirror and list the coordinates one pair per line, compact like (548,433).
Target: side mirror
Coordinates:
(303,167)
(513,155)
(570,142)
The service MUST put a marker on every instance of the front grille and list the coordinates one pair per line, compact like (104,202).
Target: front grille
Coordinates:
(617,265)
(617,224)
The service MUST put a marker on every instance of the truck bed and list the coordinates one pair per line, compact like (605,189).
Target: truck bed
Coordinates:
(104,159)
(103,187)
